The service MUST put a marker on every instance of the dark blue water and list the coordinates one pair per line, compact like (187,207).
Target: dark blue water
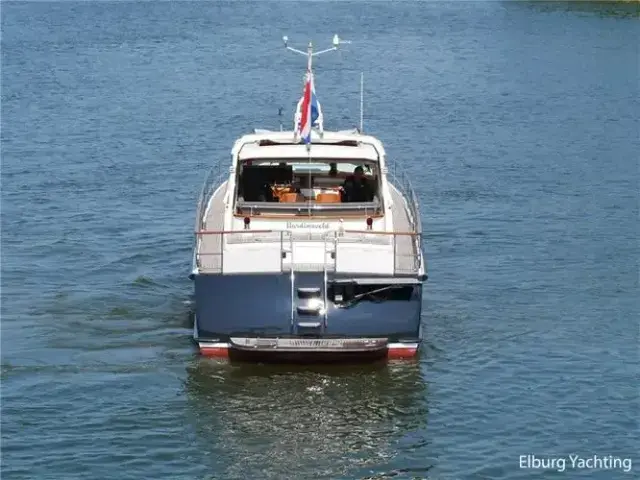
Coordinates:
(519,124)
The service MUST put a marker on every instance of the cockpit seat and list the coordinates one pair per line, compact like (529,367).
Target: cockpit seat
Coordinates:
(289,197)
(326,197)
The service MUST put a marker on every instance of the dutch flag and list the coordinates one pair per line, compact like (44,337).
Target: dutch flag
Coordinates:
(309,112)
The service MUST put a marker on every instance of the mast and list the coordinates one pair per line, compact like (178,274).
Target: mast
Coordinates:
(310,54)
(336,42)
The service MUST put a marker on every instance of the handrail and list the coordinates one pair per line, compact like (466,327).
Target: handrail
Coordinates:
(214,178)
(328,233)
(401,181)
(371,232)
(225,232)
(313,206)
(273,242)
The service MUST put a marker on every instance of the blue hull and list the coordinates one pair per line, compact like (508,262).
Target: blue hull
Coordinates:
(266,306)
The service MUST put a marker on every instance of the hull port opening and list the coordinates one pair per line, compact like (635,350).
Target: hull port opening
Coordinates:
(347,295)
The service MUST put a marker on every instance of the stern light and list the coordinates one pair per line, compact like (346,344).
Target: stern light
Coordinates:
(247,221)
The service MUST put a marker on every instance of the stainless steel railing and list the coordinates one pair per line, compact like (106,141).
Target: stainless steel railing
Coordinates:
(401,181)
(209,257)
(214,178)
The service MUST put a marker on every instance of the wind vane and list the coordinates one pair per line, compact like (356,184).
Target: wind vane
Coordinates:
(337,41)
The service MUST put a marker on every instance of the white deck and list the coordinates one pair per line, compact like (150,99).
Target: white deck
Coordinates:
(403,260)
(405,252)
(210,246)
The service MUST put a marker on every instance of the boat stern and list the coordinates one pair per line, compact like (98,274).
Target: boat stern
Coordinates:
(308,349)
(262,317)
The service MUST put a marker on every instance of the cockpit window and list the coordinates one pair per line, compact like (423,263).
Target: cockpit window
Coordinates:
(300,186)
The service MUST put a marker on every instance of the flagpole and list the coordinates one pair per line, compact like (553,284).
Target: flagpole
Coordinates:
(309,186)
(337,41)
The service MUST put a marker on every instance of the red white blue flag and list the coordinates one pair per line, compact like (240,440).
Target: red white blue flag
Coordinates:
(306,120)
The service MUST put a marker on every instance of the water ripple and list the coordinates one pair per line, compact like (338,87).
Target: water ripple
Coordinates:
(523,160)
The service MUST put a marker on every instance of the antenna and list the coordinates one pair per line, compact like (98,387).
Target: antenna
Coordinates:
(361,102)
(337,41)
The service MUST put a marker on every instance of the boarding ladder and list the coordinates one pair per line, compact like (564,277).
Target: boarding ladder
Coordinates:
(309,298)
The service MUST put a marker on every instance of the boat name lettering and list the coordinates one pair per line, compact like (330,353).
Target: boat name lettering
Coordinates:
(313,225)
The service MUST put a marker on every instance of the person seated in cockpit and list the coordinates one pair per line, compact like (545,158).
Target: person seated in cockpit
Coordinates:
(356,188)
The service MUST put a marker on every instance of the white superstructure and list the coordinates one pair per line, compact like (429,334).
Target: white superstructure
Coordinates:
(283,206)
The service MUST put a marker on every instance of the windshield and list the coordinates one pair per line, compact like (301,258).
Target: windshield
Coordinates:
(313,187)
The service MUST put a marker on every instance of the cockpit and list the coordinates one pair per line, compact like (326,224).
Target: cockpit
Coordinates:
(294,186)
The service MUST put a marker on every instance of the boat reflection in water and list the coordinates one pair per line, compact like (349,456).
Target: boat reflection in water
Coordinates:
(276,421)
